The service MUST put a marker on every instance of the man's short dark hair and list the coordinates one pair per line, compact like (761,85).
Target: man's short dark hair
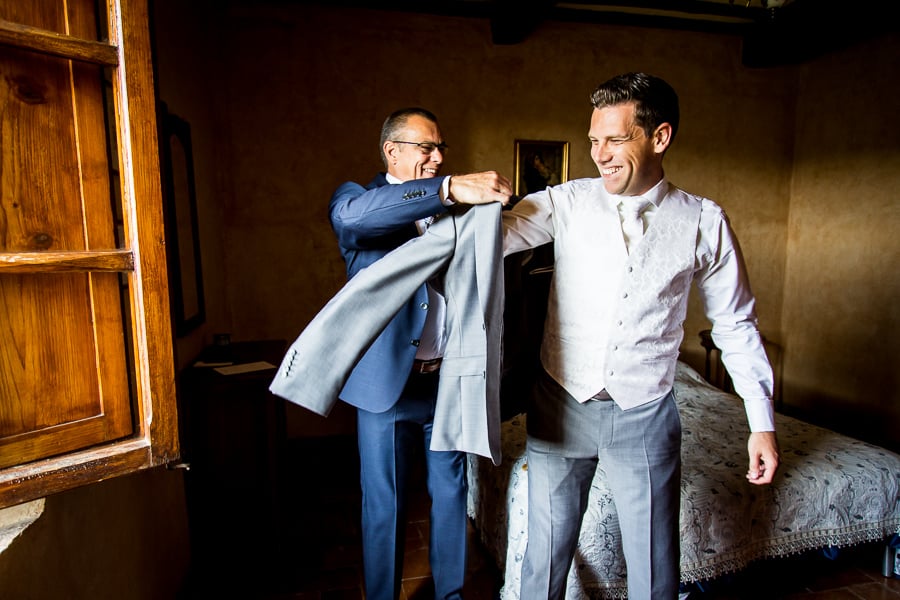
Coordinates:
(655,100)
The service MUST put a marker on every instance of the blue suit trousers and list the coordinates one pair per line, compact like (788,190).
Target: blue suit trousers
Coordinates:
(389,442)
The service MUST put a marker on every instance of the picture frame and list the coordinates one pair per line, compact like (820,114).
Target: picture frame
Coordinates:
(539,164)
(181,222)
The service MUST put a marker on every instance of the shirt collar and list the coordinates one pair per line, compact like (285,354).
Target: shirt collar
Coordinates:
(654,195)
(658,192)
(391,179)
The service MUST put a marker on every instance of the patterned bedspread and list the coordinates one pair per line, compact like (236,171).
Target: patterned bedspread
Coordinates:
(831,490)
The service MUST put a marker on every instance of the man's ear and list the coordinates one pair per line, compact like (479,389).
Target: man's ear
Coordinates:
(390,151)
(662,137)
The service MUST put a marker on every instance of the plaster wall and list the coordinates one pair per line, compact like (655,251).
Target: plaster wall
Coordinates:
(842,278)
(121,538)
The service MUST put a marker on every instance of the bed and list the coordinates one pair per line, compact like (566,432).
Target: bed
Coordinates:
(831,491)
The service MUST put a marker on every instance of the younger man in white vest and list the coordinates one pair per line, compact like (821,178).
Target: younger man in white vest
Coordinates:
(627,246)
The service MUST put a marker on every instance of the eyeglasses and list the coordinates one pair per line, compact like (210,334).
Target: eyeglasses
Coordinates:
(425,147)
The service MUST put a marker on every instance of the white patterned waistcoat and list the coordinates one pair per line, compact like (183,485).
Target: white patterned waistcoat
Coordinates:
(622,335)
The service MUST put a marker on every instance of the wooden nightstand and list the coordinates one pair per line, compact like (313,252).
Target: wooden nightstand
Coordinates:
(233,442)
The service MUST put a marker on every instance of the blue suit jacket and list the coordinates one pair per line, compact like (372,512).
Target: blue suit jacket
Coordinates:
(369,222)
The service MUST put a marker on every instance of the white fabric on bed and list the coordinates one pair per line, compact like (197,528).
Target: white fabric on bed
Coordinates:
(831,490)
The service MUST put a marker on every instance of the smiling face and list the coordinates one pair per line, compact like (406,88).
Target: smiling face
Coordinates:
(629,161)
(407,161)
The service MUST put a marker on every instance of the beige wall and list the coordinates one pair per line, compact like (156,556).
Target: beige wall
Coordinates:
(286,103)
(842,319)
(187,81)
(125,538)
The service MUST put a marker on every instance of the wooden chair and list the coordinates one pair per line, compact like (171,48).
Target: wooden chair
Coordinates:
(716,374)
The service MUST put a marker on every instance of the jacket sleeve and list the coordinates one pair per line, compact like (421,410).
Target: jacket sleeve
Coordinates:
(363,217)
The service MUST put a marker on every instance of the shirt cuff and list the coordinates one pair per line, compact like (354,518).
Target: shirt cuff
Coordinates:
(446,200)
(760,414)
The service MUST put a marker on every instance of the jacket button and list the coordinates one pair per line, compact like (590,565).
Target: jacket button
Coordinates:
(414,343)
(424,306)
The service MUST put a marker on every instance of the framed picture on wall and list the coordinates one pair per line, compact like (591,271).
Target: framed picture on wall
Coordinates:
(182,232)
(540,164)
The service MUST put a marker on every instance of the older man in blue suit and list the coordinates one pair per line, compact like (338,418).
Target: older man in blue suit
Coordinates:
(394,385)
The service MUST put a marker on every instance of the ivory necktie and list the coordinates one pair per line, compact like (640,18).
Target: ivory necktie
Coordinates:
(632,224)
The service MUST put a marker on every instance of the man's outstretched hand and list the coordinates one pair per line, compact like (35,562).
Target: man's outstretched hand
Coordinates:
(480,188)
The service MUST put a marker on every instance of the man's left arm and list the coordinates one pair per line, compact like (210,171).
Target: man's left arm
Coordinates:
(730,307)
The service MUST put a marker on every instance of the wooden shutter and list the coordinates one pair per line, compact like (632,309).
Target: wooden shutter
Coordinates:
(86,374)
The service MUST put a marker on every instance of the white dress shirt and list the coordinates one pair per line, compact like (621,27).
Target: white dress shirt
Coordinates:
(587,298)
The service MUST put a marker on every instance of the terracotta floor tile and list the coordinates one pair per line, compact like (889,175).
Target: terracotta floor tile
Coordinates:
(415,564)
(842,594)
(417,588)
(829,579)
(417,535)
(349,594)
(874,591)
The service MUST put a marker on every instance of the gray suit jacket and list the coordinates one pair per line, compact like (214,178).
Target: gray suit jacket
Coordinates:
(466,246)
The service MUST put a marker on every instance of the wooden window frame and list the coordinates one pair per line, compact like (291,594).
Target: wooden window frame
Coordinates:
(155,438)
